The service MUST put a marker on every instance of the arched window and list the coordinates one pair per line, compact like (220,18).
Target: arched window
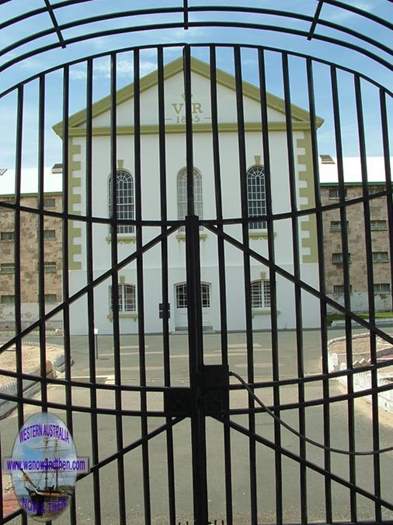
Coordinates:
(125,199)
(182,193)
(260,294)
(256,195)
(181,295)
(126,297)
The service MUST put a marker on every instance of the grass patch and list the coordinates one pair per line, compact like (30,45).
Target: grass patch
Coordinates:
(363,315)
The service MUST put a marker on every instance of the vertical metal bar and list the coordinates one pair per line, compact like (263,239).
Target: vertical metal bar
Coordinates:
(298,291)
(189,144)
(322,289)
(90,293)
(41,253)
(371,298)
(115,292)
(194,313)
(195,345)
(1,487)
(221,272)
(139,269)
(388,179)
(273,282)
(17,262)
(65,279)
(247,278)
(164,279)
(347,292)
(185,14)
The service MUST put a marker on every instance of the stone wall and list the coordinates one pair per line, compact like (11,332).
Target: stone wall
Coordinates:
(356,246)
(29,258)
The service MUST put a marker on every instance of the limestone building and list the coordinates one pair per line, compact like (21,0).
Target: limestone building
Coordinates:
(381,257)
(29,248)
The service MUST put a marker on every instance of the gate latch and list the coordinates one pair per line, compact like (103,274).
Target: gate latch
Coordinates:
(211,394)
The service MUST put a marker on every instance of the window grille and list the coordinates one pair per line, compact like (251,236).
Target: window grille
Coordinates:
(381,288)
(7,299)
(50,267)
(49,234)
(125,200)
(49,202)
(260,294)
(378,225)
(7,236)
(338,258)
(339,289)
(379,257)
(50,298)
(181,295)
(182,209)
(335,226)
(126,298)
(7,268)
(256,195)
(334,193)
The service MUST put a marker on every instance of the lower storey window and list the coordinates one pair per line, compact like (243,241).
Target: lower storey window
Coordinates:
(382,288)
(7,299)
(181,295)
(126,299)
(260,294)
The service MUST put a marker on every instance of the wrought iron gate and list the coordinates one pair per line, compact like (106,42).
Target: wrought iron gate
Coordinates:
(208,396)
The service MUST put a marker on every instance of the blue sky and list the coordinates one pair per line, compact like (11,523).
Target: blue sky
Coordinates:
(27,68)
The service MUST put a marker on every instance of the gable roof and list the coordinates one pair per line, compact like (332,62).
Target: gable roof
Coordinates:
(173,68)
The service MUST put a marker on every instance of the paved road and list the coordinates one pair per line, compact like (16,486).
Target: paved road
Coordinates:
(239,444)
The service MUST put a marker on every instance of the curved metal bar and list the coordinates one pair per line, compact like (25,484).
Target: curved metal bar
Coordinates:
(297,54)
(195,9)
(212,24)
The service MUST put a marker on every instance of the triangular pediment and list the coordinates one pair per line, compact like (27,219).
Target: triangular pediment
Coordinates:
(174,101)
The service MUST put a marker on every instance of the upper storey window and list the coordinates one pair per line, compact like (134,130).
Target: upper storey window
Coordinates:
(125,199)
(182,209)
(256,195)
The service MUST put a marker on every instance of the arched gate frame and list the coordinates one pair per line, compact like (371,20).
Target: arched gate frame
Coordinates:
(207,394)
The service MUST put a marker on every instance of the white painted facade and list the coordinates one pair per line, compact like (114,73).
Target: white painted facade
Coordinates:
(203,161)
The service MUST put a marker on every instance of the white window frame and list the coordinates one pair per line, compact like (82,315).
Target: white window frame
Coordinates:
(256,196)
(125,200)
(182,208)
(260,294)
(126,303)
(181,294)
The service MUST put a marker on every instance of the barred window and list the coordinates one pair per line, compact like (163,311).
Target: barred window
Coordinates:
(339,289)
(50,298)
(378,225)
(50,267)
(125,199)
(334,193)
(381,288)
(7,236)
(7,299)
(182,193)
(181,295)
(126,298)
(335,226)
(49,202)
(338,258)
(256,195)
(49,234)
(260,294)
(380,257)
(7,268)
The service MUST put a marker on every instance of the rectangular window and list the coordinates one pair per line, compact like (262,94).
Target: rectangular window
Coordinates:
(7,299)
(49,202)
(49,234)
(334,193)
(7,268)
(381,288)
(339,289)
(50,298)
(378,225)
(335,226)
(260,294)
(7,236)
(338,258)
(126,298)
(50,267)
(380,257)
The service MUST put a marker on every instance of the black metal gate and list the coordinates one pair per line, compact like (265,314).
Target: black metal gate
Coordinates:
(209,394)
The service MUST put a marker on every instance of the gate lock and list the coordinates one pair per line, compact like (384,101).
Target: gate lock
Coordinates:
(210,394)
